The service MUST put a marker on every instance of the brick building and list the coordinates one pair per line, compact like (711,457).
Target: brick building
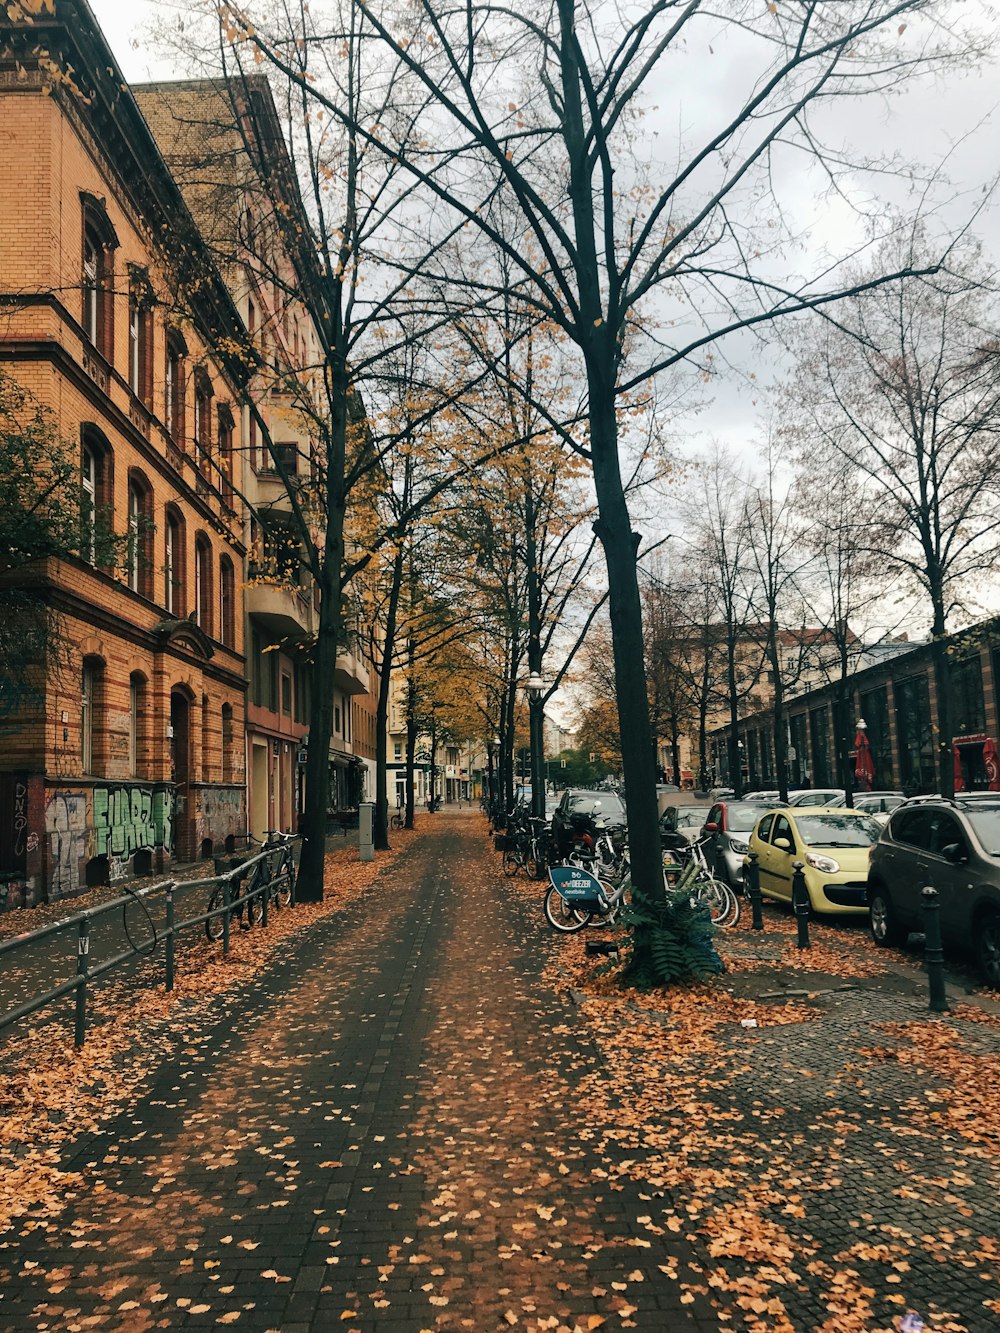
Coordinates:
(220,142)
(893,691)
(130,752)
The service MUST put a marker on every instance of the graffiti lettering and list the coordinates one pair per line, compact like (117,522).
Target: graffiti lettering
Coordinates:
(20,818)
(129,819)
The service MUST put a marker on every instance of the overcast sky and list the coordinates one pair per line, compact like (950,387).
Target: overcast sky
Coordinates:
(952,120)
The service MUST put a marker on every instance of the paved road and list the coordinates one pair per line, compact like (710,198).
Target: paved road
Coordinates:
(385,1139)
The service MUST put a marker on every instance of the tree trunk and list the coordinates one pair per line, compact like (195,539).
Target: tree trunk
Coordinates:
(614,530)
(411,738)
(779,732)
(309,882)
(381,830)
(733,739)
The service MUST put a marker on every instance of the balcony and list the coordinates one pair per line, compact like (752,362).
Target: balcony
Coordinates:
(284,610)
(351,674)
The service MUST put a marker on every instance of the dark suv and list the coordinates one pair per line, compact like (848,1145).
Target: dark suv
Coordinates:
(953,846)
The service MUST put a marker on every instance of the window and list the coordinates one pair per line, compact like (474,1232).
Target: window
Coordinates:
(174,565)
(287,456)
(95,490)
(203,583)
(782,829)
(875,711)
(226,455)
(91,686)
(88,501)
(764,827)
(227,742)
(969,717)
(819,735)
(136,717)
(203,423)
(253,444)
(227,601)
(140,334)
(286,694)
(336,718)
(916,738)
(97,278)
(174,387)
(397,750)
(913,827)
(138,562)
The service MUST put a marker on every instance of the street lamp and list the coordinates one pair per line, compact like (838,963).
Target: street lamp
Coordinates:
(535,688)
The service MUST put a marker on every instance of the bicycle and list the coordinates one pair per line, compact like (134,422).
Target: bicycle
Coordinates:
(528,851)
(273,876)
(397,820)
(696,875)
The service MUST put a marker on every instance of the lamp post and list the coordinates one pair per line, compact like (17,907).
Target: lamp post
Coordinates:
(535,688)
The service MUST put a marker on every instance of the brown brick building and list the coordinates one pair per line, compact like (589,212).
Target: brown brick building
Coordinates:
(130,752)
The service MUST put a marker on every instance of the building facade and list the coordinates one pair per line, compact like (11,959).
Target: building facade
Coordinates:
(896,698)
(129,753)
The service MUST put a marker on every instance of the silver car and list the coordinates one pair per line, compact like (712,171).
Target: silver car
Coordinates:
(726,833)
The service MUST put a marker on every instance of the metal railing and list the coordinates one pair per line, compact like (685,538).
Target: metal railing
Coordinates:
(265,874)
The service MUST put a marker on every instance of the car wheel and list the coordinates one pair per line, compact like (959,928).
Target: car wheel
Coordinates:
(885,926)
(988,949)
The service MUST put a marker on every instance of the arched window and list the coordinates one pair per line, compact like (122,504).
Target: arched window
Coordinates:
(227,742)
(173,567)
(227,602)
(95,496)
(140,334)
(137,734)
(140,533)
(97,284)
(226,454)
(91,715)
(203,583)
(174,387)
(203,423)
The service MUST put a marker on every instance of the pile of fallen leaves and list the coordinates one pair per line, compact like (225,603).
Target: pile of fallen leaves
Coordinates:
(51,1094)
(748,1183)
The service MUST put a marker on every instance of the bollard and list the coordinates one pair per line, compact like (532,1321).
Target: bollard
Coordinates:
(933,953)
(366,825)
(752,877)
(82,962)
(800,901)
(169,941)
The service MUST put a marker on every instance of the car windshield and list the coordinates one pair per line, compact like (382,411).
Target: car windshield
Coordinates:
(608,806)
(741,818)
(691,818)
(838,830)
(986,822)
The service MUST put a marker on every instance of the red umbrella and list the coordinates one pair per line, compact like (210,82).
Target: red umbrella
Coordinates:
(992,761)
(959,773)
(864,769)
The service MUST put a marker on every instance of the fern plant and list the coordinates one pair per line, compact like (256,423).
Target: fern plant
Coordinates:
(676,936)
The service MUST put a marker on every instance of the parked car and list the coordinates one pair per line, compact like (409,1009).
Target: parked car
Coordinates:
(762,796)
(606,808)
(953,846)
(825,796)
(833,844)
(878,804)
(684,820)
(720,793)
(726,831)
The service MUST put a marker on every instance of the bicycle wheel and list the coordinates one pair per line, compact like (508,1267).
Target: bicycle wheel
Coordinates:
(213,925)
(511,861)
(282,895)
(561,916)
(718,898)
(396,822)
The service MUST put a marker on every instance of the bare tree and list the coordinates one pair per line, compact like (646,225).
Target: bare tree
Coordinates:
(548,111)
(905,389)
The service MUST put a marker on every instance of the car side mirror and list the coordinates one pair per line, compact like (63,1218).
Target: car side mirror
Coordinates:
(711,828)
(955,853)
(783,845)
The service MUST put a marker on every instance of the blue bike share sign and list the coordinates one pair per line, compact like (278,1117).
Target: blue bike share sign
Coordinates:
(578,887)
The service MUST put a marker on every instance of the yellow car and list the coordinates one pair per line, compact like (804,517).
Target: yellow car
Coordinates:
(832,842)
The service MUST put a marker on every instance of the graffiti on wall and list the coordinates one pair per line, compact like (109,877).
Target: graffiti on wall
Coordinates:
(20,819)
(220,805)
(66,826)
(115,822)
(130,819)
